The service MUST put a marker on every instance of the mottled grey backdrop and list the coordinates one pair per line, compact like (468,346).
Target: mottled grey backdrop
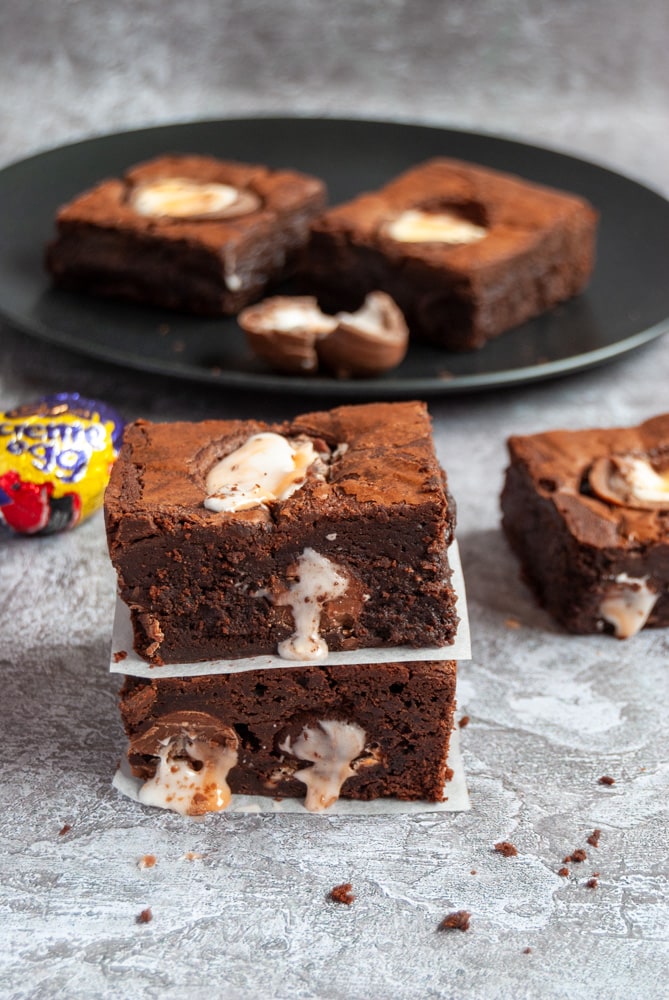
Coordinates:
(549,713)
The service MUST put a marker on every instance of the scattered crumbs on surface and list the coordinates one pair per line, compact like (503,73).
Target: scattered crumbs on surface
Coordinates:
(121,655)
(595,874)
(576,856)
(564,872)
(592,883)
(512,623)
(145,917)
(178,346)
(192,856)
(607,780)
(473,872)
(65,828)
(527,951)
(342,894)
(163,329)
(457,921)
(507,849)
(593,839)
(464,722)
(147,861)
(445,375)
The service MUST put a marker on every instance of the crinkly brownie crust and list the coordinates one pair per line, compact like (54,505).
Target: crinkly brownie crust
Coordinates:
(538,250)
(211,266)
(203,585)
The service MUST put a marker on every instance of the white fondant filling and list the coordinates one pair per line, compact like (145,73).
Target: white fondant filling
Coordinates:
(414,226)
(179,786)
(628,605)
(638,476)
(181,198)
(267,467)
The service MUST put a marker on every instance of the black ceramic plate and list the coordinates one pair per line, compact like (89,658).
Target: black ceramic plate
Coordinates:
(626,304)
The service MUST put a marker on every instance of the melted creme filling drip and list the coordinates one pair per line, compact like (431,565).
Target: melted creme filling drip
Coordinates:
(319,580)
(628,605)
(191,777)
(265,468)
(332,747)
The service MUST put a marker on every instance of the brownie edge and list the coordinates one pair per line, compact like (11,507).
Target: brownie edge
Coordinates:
(205,585)
(402,711)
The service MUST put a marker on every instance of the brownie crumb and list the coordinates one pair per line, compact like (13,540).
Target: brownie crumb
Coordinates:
(527,951)
(65,828)
(473,872)
(593,839)
(564,872)
(507,849)
(464,722)
(342,894)
(607,780)
(512,623)
(576,856)
(458,921)
(145,917)
(121,655)
(592,883)
(147,861)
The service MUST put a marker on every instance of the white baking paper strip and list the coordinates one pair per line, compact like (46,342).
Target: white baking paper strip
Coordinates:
(456,791)
(135,666)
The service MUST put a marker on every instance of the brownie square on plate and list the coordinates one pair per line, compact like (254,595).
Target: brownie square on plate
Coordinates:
(465,251)
(186,232)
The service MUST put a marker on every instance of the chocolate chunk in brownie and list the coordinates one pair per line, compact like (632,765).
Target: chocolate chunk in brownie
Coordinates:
(185,232)
(362,732)
(587,513)
(327,532)
(465,251)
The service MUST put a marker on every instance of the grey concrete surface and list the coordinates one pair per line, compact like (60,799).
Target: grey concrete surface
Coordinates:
(549,713)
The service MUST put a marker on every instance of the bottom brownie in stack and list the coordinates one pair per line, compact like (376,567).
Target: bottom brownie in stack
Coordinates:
(234,539)
(363,732)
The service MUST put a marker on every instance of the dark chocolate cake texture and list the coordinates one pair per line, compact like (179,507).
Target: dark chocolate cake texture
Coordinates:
(587,513)
(327,532)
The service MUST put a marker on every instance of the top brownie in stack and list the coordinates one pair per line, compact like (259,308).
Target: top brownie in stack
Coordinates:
(186,232)
(587,512)
(466,252)
(349,551)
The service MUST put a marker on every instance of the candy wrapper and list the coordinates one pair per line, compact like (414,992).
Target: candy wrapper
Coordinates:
(55,458)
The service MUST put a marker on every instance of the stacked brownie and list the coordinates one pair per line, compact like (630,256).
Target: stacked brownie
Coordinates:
(320,536)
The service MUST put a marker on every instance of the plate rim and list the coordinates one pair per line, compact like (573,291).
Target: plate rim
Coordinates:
(316,385)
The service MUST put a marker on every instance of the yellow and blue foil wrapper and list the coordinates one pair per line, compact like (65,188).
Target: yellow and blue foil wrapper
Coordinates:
(56,455)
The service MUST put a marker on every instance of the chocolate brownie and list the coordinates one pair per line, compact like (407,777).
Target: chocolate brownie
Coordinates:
(362,732)
(587,513)
(326,532)
(185,232)
(466,252)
